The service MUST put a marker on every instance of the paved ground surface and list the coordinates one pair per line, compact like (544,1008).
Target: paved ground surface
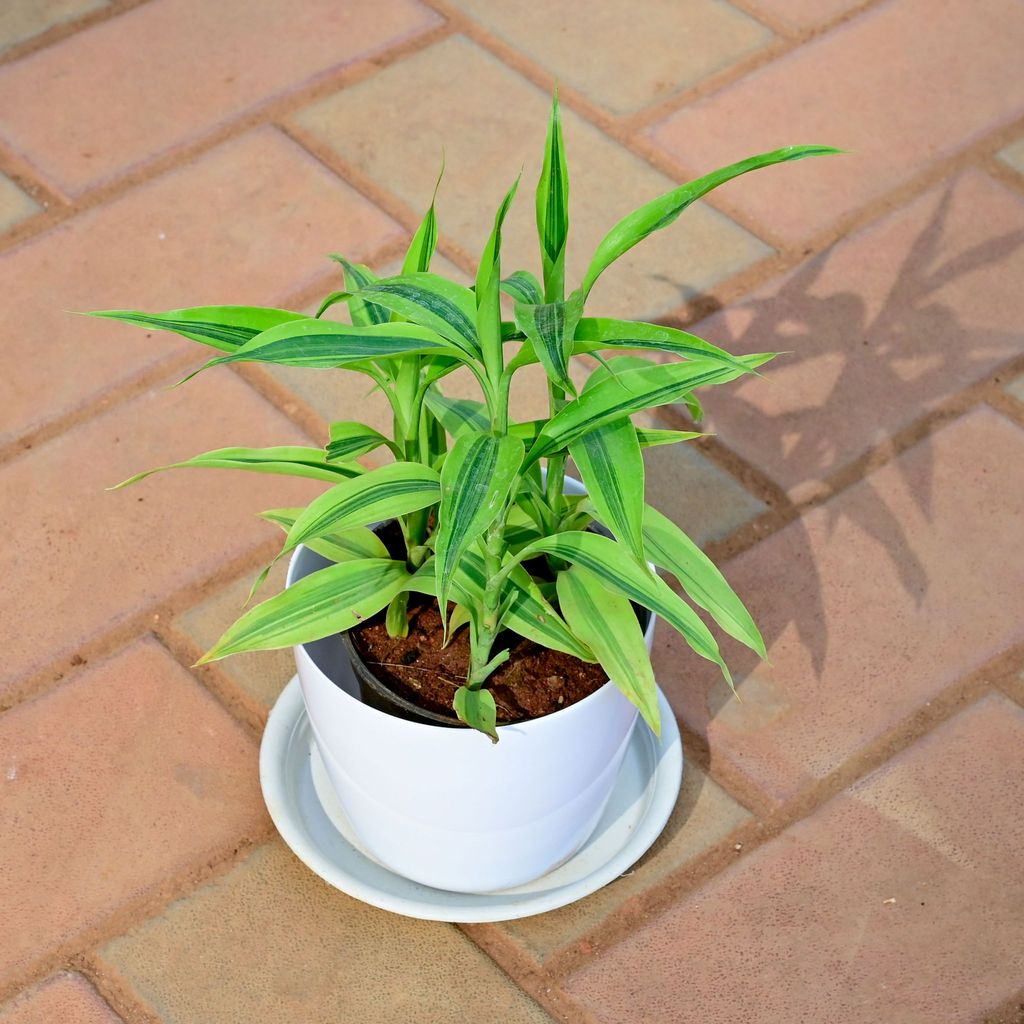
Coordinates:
(848,843)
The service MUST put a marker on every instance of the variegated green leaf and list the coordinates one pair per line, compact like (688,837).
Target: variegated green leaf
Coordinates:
(611,466)
(476,480)
(527,432)
(661,212)
(553,207)
(488,298)
(477,709)
(608,623)
(424,241)
(447,308)
(522,286)
(619,571)
(325,602)
(693,407)
(670,549)
(357,276)
(597,333)
(226,328)
(356,542)
(457,415)
(651,438)
(396,621)
(551,328)
(349,440)
(324,343)
(528,612)
(393,490)
(286,461)
(631,391)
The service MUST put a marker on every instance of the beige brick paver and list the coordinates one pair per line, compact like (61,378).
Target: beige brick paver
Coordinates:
(86,560)
(890,323)
(119,779)
(15,206)
(250,221)
(871,605)
(394,126)
(23,19)
(805,14)
(872,87)
(900,900)
(272,934)
(618,55)
(191,65)
(63,999)
(1014,155)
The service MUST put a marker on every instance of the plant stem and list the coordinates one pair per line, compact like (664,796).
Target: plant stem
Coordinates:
(556,464)
(480,663)
(480,652)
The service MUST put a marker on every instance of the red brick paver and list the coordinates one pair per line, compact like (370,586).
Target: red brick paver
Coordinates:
(82,564)
(192,65)
(870,87)
(900,900)
(865,500)
(65,999)
(249,222)
(119,779)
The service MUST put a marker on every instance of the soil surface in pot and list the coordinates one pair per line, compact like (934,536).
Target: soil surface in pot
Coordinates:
(534,681)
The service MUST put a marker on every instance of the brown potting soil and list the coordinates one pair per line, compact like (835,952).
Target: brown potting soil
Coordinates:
(534,681)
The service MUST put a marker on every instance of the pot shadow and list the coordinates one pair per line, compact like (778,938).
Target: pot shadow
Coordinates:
(877,352)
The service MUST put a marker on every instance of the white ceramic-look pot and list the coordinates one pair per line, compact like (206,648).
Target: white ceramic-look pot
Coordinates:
(445,806)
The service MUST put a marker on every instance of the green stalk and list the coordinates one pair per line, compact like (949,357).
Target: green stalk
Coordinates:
(556,464)
(480,664)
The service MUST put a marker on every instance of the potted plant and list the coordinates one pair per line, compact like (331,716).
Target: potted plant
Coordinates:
(481,592)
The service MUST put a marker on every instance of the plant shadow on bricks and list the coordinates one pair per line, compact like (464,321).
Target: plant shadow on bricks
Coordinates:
(872,347)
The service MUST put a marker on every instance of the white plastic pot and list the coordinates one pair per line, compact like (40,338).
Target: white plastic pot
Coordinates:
(446,807)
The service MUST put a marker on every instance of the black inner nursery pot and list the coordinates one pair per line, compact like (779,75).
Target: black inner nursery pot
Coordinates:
(374,691)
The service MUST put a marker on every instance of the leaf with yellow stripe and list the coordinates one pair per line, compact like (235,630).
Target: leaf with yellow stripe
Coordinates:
(617,570)
(476,480)
(631,391)
(226,328)
(393,490)
(608,623)
(325,602)
(289,460)
(661,212)
(611,466)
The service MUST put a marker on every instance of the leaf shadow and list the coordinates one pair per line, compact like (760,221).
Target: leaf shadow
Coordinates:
(908,352)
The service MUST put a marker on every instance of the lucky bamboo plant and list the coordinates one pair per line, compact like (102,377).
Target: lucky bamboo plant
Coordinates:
(483,526)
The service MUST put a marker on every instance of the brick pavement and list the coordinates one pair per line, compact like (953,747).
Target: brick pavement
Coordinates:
(847,842)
